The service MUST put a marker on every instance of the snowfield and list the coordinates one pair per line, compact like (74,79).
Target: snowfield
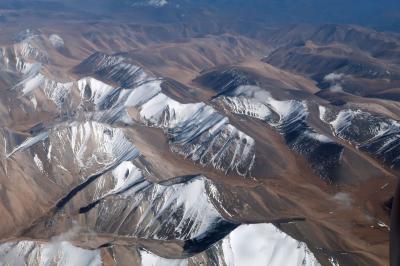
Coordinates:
(256,245)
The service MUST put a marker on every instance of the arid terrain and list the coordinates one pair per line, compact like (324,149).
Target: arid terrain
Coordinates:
(170,135)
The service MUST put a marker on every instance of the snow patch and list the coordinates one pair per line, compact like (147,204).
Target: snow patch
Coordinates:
(198,213)
(126,175)
(264,104)
(344,120)
(59,253)
(318,137)
(32,83)
(34,102)
(322,112)
(245,106)
(264,244)
(333,261)
(149,259)
(142,93)
(38,163)
(383,225)
(94,90)
(109,142)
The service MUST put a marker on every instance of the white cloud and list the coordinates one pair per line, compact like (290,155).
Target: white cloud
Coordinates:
(56,41)
(334,77)
(343,199)
(336,88)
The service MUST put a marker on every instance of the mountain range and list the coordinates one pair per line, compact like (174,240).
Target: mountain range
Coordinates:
(198,133)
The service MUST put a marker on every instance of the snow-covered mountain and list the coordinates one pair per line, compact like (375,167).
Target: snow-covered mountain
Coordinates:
(168,133)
